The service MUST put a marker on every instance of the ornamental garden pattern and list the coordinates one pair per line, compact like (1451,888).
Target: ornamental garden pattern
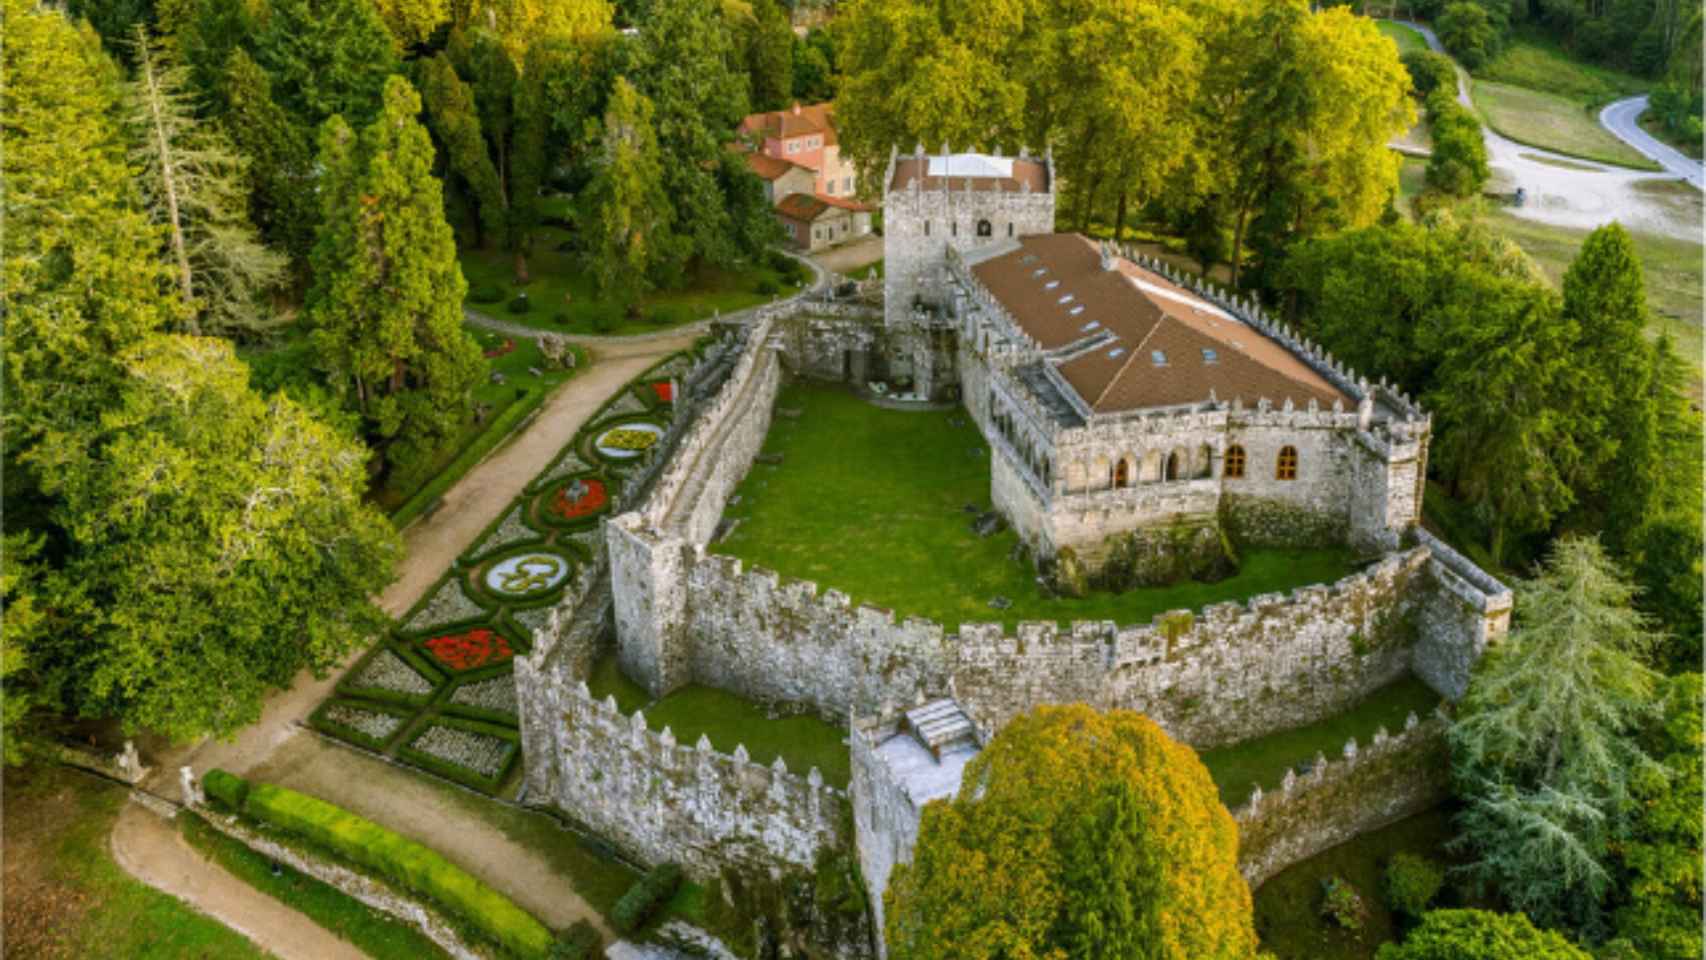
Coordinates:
(438,693)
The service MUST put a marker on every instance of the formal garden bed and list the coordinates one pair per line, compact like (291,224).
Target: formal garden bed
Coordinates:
(847,468)
(438,693)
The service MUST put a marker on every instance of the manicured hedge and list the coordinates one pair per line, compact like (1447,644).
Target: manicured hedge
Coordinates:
(500,428)
(228,789)
(402,861)
(579,942)
(645,897)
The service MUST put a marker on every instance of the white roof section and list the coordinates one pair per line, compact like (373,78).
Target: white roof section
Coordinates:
(921,775)
(980,165)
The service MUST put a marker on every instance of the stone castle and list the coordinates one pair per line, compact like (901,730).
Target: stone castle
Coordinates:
(1135,421)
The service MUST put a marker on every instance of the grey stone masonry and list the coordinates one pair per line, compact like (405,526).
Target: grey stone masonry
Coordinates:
(1365,788)
(659,801)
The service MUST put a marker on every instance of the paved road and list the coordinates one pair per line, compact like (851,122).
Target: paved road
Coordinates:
(1621,119)
(1582,194)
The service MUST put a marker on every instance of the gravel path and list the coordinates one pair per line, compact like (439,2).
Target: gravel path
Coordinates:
(1583,194)
(1622,118)
(152,850)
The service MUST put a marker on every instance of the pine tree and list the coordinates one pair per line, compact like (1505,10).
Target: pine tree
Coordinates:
(625,211)
(451,115)
(281,194)
(1543,750)
(770,55)
(195,184)
(326,57)
(386,306)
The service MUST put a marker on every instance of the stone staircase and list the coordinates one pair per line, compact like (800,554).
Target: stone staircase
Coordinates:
(940,725)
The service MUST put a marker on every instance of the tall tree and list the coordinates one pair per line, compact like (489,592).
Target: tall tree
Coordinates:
(218,544)
(453,118)
(521,22)
(1317,96)
(1075,833)
(1543,752)
(326,57)
(196,186)
(1458,163)
(770,55)
(386,306)
(685,64)
(411,22)
(624,210)
(281,159)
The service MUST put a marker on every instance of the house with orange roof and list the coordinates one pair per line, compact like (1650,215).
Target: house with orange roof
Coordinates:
(814,191)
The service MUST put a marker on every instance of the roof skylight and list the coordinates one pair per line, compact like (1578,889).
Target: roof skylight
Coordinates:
(1158,358)
(1209,355)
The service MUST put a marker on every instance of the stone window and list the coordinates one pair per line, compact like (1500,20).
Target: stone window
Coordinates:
(1234,462)
(1286,469)
(1176,465)
(984,229)
(927,228)
(1009,228)
(1122,473)
(954,228)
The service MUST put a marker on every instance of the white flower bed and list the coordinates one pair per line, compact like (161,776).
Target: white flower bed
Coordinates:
(472,751)
(566,466)
(513,530)
(387,671)
(448,605)
(498,694)
(626,402)
(367,722)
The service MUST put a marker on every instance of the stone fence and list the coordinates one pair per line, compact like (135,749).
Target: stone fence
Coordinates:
(659,801)
(1367,788)
(1222,674)
(1468,610)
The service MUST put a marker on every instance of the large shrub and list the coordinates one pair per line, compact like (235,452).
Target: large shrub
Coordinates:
(645,897)
(1430,71)
(404,862)
(226,789)
(1468,31)
(1458,164)
(1480,935)
(1412,882)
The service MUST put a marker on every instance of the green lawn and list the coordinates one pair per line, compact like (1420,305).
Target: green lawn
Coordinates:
(1552,121)
(1407,39)
(802,740)
(376,934)
(1534,60)
(65,897)
(1288,907)
(872,502)
(1265,760)
(556,274)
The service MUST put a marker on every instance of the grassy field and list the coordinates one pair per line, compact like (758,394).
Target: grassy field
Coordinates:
(874,502)
(1288,907)
(802,741)
(1265,760)
(1407,39)
(1532,59)
(376,934)
(66,898)
(557,274)
(1552,121)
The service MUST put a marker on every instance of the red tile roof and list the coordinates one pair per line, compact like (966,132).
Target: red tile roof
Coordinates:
(1169,346)
(801,206)
(768,167)
(796,121)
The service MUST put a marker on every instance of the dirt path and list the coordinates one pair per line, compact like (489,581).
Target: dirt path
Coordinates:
(152,850)
(430,813)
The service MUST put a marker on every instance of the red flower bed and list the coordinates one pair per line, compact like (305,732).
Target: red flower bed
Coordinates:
(665,391)
(591,501)
(476,648)
(499,351)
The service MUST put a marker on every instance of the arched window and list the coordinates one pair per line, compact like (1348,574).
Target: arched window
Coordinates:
(1176,465)
(1122,473)
(1234,469)
(1286,468)
(984,229)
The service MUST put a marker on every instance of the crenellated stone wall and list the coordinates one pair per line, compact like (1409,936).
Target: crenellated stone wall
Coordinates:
(659,801)
(1367,787)
(1214,676)
(1465,611)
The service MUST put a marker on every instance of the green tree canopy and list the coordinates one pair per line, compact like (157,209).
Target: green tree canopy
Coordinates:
(386,306)
(1480,935)
(280,155)
(624,211)
(326,57)
(1543,749)
(1458,163)
(1075,834)
(1468,31)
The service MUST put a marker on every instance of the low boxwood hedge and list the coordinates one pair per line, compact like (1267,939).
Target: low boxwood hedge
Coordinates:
(579,942)
(645,897)
(228,791)
(408,864)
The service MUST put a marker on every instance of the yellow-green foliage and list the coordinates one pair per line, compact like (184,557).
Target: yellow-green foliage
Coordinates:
(404,862)
(1075,833)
